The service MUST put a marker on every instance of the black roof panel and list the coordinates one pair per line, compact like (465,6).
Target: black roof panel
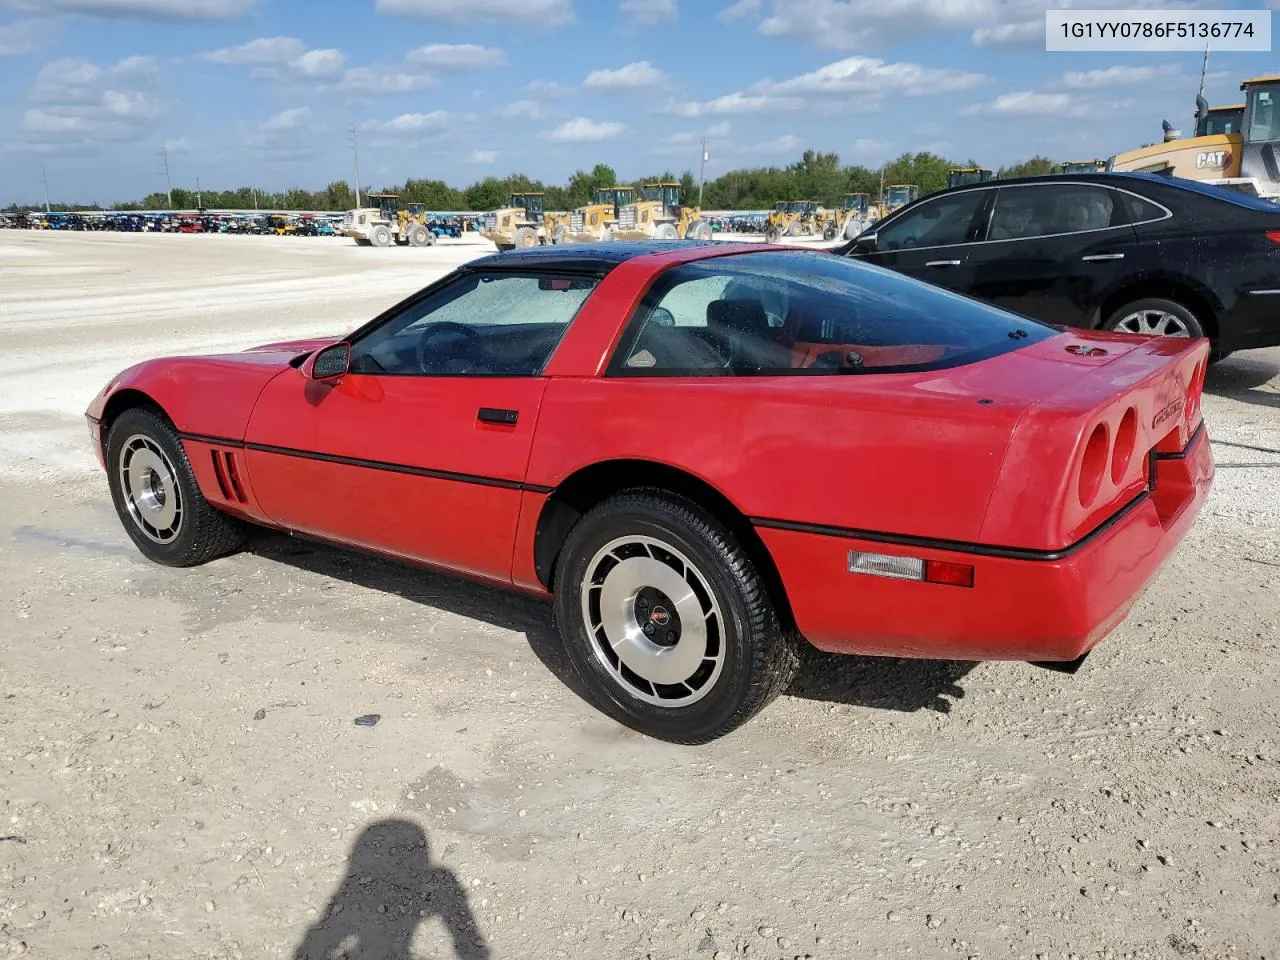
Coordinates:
(597,257)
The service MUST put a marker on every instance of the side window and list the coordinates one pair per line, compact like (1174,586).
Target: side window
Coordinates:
(482,324)
(1045,210)
(935,223)
(1143,211)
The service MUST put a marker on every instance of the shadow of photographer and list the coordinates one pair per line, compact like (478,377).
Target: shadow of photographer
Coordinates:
(391,887)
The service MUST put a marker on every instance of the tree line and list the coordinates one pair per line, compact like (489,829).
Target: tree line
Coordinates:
(815,176)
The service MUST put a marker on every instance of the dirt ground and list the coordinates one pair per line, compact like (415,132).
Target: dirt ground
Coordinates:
(182,774)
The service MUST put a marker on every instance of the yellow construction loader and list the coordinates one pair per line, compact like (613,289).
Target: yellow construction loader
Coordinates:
(596,221)
(898,195)
(794,218)
(964,176)
(852,217)
(386,224)
(658,215)
(1237,151)
(518,224)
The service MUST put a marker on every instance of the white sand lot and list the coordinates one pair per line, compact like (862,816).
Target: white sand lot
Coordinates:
(180,775)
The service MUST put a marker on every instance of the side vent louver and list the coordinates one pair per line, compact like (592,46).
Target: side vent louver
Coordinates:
(227,474)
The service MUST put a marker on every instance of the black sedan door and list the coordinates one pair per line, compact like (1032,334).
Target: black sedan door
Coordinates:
(1053,251)
(931,240)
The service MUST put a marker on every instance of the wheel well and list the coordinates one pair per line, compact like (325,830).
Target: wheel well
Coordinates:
(1164,290)
(583,490)
(127,399)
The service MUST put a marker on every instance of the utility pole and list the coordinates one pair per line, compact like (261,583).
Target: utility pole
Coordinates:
(44,178)
(164,160)
(199,199)
(354,139)
(702,171)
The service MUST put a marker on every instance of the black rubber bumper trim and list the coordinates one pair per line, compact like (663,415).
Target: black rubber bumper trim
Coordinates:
(370,464)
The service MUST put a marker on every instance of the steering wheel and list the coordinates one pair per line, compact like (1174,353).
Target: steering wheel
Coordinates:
(428,364)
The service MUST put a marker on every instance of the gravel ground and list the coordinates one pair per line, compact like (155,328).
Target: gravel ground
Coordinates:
(182,773)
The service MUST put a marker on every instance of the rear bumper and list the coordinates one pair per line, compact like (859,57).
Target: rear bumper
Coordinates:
(1052,607)
(1254,323)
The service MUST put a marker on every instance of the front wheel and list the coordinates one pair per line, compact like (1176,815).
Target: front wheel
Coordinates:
(1155,316)
(829,232)
(667,620)
(156,495)
(525,238)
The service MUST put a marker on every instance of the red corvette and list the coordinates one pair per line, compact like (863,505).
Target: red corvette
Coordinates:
(705,453)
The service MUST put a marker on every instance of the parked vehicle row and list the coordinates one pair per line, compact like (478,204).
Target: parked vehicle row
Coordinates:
(281,224)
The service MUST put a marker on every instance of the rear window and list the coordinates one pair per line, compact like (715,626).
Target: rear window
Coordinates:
(1222,193)
(798,313)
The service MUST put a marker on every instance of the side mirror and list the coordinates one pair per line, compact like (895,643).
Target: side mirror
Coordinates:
(865,243)
(331,362)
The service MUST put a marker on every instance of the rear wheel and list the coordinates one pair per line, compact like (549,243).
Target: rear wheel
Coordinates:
(156,495)
(666,231)
(1155,316)
(829,232)
(381,237)
(558,233)
(698,230)
(667,620)
(772,235)
(525,238)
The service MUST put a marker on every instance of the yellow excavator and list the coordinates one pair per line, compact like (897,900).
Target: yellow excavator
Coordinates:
(1236,146)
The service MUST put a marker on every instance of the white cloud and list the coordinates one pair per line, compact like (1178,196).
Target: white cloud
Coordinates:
(286,120)
(688,141)
(546,89)
(456,56)
(866,148)
(870,75)
(416,123)
(524,110)
(740,9)
(1031,103)
(634,76)
(21,37)
(1120,75)
(535,13)
(78,103)
(650,11)
(1009,34)
(584,130)
(865,24)
(734,103)
(784,144)
(181,145)
(280,59)
(484,156)
(176,10)
(379,81)
(265,51)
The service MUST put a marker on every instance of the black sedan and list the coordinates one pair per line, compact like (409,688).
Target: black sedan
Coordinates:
(1119,251)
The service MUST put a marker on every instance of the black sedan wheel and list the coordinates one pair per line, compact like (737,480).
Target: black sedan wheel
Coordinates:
(156,496)
(1155,317)
(667,620)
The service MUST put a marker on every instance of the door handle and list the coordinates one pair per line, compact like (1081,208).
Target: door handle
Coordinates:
(507,418)
(943,263)
(1095,257)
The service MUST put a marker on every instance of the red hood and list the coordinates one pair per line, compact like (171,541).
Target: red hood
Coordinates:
(294,346)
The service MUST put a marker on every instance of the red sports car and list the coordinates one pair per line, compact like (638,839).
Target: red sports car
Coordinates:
(705,453)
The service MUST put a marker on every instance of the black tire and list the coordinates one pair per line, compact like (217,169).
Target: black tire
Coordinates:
(201,533)
(829,232)
(1154,305)
(772,235)
(381,236)
(757,654)
(420,236)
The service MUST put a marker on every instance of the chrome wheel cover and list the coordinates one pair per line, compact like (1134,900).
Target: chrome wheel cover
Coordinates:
(653,621)
(1157,323)
(149,486)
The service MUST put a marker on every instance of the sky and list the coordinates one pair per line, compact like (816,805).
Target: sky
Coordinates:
(266,92)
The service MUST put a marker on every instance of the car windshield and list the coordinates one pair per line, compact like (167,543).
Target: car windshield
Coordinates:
(795,313)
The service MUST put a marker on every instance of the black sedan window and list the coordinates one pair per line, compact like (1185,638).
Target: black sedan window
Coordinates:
(1042,210)
(939,222)
(801,313)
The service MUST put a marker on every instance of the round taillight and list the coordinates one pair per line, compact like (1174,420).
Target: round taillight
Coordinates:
(1093,465)
(1126,440)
